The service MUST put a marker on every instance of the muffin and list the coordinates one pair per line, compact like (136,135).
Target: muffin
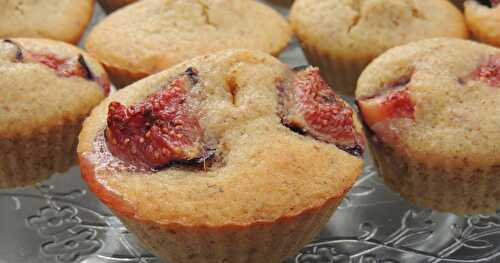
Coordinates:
(228,146)
(152,35)
(342,37)
(432,111)
(48,88)
(111,5)
(483,20)
(63,20)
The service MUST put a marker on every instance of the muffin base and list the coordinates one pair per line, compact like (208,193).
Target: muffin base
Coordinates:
(27,160)
(340,73)
(460,190)
(269,241)
(261,242)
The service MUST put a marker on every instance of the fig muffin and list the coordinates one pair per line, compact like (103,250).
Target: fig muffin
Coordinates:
(48,88)
(432,111)
(152,35)
(63,20)
(111,5)
(232,146)
(483,20)
(342,37)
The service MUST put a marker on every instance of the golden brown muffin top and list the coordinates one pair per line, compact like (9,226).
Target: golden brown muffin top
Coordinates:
(443,110)
(63,20)
(484,19)
(36,97)
(151,35)
(263,170)
(366,28)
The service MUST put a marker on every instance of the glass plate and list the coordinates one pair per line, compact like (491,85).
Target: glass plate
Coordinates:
(60,221)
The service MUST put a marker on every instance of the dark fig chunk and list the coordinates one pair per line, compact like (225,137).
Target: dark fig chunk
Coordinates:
(87,73)
(309,106)
(19,51)
(161,130)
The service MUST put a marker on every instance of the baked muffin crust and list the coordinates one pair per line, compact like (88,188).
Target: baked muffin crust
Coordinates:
(48,87)
(33,94)
(483,21)
(265,171)
(455,115)
(369,27)
(63,20)
(432,111)
(151,35)
(342,37)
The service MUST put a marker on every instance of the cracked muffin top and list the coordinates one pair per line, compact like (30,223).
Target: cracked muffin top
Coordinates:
(436,101)
(151,35)
(63,20)
(230,138)
(45,82)
(483,19)
(366,28)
